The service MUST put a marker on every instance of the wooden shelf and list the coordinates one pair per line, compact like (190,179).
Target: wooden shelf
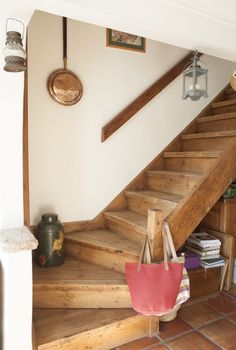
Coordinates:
(204,281)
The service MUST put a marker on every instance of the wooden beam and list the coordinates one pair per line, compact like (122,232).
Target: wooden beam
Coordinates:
(134,107)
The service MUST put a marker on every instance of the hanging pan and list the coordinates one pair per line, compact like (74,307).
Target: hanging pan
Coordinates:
(63,85)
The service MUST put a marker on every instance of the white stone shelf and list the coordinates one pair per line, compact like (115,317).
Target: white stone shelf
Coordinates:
(15,240)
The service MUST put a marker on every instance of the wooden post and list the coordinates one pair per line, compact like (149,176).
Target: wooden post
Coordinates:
(153,326)
(154,227)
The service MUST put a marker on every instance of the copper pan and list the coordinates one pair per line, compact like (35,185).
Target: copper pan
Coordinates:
(64,86)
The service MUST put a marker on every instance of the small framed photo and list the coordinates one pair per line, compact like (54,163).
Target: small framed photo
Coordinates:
(122,40)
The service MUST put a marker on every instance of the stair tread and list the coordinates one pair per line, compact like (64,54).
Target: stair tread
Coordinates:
(137,221)
(52,325)
(155,195)
(76,272)
(105,240)
(223,103)
(216,117)
(174,172)
(193,154)
(210,134)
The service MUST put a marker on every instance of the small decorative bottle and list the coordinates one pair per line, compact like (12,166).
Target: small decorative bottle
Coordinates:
(50,251)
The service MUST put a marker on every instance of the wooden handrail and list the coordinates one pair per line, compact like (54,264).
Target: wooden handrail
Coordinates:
(121,118)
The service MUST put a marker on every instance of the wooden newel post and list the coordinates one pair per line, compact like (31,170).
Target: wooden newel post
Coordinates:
(154,227)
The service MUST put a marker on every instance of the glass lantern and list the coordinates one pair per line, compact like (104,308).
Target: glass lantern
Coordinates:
(14,53)
(195,80)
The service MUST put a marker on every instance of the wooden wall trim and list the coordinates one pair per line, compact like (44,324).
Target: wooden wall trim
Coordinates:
(26,200)
(127,113)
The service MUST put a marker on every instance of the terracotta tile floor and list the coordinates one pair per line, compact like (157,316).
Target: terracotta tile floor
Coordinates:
(202,324)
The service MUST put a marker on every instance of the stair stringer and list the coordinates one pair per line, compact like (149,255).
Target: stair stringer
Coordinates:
(189,212)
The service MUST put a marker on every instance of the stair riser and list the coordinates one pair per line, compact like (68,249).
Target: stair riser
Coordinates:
(223,109)
(216,143)
(64,296)
(218,125)
(124,230)
(176,184)
(111,260)
(141,206)
(189,164)
(107,337)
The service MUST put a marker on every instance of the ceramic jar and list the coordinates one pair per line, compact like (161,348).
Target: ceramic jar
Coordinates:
(50,236)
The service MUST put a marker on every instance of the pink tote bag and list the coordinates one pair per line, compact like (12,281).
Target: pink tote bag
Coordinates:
(154,287)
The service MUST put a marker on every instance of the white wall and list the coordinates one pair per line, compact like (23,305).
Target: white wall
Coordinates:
(71,171)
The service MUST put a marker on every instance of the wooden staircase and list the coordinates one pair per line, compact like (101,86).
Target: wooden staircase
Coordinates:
(182,183)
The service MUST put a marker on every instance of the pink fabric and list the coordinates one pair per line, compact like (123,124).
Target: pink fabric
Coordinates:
(153,290)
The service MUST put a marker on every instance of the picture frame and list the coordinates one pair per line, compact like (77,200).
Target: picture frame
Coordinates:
(123,40)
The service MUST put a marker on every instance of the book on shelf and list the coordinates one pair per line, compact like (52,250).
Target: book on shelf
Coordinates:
(204,239)
(208,257)
(215,262)
(204,249)
(202,252)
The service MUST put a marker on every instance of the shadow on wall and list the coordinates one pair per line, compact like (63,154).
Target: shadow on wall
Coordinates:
(2,305)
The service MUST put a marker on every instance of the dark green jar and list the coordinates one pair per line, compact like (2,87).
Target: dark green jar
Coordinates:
(50,251)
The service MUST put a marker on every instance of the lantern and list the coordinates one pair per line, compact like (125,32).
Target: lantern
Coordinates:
(195,80)
(14,53)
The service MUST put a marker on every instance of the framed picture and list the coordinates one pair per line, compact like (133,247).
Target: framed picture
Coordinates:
(122,40)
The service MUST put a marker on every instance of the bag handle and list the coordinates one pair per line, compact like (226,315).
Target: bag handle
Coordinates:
(146,252)
(170,240)
(165,249)
(167,243)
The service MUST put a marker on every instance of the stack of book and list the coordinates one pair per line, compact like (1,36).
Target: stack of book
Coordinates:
(207,247)
(212,262)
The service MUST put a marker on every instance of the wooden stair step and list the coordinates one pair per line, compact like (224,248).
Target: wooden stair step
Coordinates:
(128,224)
(228,105)
(155,195)
(195,154)
(77,284)
(213,118)
(229,91)
(102,247)
(176,182)
(223,103)
(197,161)
(141,201)
(210,134)
(218,122)
(85,329)
(230,95)
(212,140)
